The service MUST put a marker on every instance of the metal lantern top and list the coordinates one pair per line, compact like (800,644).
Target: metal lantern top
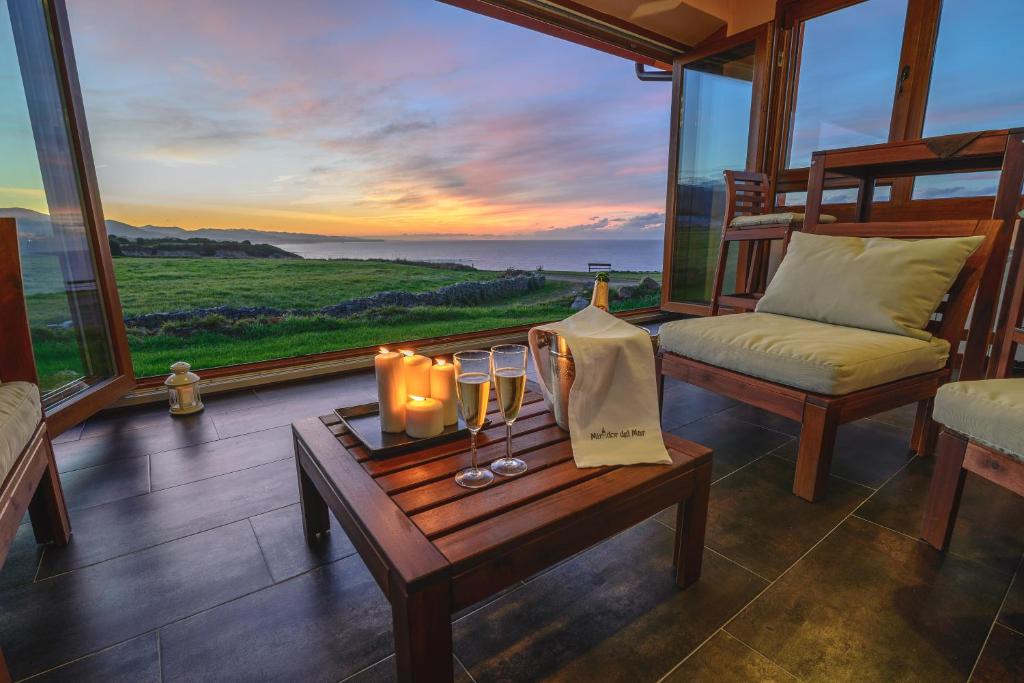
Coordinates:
(181,375)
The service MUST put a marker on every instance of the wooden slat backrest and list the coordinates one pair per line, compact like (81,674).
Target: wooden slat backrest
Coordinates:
(747,193)
(957,305)
(17,362)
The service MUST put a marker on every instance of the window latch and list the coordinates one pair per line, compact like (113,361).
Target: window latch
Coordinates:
(904,75)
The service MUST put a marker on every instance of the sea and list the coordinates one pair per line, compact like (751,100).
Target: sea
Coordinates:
(573,255)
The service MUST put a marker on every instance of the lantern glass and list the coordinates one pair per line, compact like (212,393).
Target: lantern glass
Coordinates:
(183,390)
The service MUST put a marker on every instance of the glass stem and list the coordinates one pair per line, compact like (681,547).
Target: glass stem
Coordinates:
(472,447)
(508,440)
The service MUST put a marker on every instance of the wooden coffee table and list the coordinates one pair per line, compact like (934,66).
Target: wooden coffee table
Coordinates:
(435,548)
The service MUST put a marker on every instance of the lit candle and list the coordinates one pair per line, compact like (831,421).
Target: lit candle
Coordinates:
(390,367)
(423,417)
(442,388)
(417,373)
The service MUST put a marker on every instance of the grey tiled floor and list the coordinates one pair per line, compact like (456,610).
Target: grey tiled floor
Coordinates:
(188,563)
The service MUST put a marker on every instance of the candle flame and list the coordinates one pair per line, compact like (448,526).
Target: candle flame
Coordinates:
(405,352)
(439,361)
(414,397)
(383,349)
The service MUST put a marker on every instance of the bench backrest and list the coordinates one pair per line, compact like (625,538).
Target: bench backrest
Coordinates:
(950,320)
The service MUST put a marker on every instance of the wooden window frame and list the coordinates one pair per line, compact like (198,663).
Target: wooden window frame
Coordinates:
(762,36)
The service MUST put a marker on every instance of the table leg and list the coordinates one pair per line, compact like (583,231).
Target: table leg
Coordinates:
(691,521)
(423,633)
(316,517)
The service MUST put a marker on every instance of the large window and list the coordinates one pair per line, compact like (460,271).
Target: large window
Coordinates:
(41,188)
(848,64)
(411,152)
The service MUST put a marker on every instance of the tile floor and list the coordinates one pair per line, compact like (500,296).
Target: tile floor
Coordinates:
(188,563)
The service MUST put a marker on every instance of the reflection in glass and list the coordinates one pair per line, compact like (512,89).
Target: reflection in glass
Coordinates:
(848,63)
(976,81)
(713,137)
(39,187)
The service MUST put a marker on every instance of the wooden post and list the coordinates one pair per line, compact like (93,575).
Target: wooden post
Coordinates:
(814,458)
(423,632)
(316,517)
(945,491)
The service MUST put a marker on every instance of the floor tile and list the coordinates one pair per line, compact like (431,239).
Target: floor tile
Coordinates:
(685,403)
(22,560)
(234,400)
(764,419)
(902,417)
(1012,613)
(136,661)
(54,621)
(284,543)
(755,520)
(105,483)
(723,659)
(611,614)
(321,626)
(146,417)
(192,463)
(736,443)
(357,386)
(988,525)
(866,452)
(131,524)
(118,445)
(869,604)
(72,433)
(384,672)
(1002,660)
(261,418)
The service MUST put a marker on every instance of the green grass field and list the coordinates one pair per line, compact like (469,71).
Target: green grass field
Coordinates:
(167,284)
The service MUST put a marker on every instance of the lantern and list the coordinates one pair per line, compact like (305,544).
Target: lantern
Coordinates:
(183,390)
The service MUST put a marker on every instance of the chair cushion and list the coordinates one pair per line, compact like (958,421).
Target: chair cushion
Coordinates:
(989,411)
(816,357)
(758,220)
(876,283)
(20,414)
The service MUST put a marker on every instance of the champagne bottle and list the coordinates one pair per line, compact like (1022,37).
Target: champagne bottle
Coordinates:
(600,296)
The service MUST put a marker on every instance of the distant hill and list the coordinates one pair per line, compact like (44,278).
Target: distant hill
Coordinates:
(194,247)
(33,225)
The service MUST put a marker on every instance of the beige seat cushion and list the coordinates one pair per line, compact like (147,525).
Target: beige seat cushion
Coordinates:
(19,416)
(816,357)
(876,283)
(989,411)
(757,221)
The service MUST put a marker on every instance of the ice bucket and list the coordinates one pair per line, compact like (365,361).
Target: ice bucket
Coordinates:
(557,371)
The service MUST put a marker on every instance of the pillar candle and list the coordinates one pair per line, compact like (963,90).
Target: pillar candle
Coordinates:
(423,417)
(442,388)
(391,390)
(417,374)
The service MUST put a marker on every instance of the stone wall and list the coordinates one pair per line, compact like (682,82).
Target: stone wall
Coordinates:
(458,294)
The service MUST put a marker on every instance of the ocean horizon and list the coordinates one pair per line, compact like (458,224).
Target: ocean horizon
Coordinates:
(524,254)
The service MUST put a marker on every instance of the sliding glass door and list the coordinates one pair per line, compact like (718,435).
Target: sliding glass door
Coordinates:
(716,124)
(47,186)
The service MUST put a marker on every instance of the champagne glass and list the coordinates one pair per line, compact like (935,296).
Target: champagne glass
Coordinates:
(473,386)
(508,368)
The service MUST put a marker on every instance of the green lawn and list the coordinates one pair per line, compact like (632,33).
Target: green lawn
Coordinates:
(160,285)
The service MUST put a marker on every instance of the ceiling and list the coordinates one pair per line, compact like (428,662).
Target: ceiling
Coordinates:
(688,22)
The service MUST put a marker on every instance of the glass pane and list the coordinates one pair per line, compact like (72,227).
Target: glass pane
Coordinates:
(382,151)
(848,65)
(976,81)
(713,136)
(883,193)
(978,184)
(39,186)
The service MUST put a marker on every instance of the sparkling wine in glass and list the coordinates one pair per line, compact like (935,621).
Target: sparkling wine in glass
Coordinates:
(508,368)
(473,386)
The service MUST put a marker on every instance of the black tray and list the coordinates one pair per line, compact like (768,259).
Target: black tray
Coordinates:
(363,422)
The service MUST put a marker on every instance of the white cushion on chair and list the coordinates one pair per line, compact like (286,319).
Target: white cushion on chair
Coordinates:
(20,414)
(989,411)
(790,218)
(805,354)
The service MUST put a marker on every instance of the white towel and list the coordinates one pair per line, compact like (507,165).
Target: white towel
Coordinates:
(613,404)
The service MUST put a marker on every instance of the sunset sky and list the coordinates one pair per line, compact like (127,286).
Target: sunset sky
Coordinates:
(363,117)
